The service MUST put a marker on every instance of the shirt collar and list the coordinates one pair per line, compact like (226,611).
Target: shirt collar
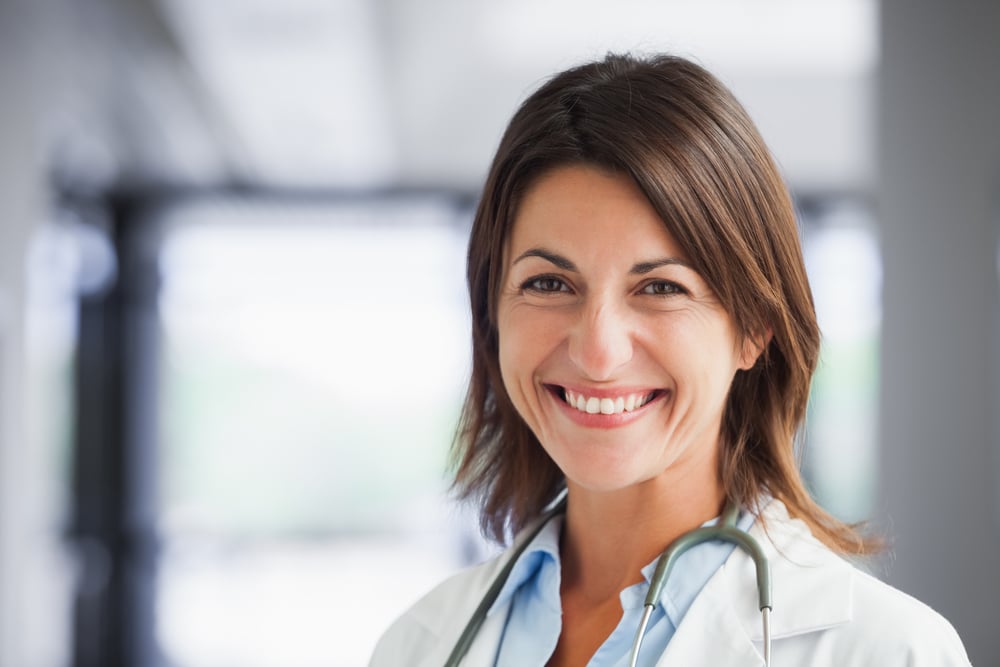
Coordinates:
(544,548)
(698,565)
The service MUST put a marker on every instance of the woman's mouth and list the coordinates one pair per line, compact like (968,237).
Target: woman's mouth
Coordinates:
(604,405)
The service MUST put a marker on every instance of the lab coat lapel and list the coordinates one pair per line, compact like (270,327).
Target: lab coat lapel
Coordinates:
(482,652)
(812,586)
(711,633)
(455,610)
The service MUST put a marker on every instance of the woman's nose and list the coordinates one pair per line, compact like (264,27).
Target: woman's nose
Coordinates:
(601,341)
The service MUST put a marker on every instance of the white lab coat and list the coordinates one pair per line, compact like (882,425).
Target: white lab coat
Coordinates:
(826,613)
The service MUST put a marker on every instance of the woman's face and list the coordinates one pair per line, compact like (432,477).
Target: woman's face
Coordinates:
(613,349)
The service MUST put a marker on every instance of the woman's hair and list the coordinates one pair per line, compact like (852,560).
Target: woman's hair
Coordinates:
(682,137)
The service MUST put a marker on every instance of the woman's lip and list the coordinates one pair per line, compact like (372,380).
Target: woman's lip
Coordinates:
(601,420)
(602,392)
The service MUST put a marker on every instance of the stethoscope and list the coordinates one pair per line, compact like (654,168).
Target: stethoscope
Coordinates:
(725,530)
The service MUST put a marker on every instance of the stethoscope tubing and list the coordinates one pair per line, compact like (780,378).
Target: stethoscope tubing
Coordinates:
(725,530)
(479,615)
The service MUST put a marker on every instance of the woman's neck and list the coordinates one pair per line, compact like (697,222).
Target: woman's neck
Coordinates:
(610,536)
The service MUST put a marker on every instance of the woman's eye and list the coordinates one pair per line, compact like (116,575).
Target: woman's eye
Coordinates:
(545,284)
(662,288)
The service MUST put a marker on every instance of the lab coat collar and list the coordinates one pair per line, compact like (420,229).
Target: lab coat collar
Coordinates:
(812,591)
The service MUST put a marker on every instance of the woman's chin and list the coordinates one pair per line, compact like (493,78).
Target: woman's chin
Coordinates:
(602,476)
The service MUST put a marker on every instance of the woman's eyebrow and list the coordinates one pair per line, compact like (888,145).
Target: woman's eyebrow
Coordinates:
(565,264)
(549,256)
(646,267)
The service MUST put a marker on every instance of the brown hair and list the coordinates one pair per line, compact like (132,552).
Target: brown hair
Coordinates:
(691,148)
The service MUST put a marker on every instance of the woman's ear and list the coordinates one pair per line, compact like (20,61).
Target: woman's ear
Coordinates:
(753,347)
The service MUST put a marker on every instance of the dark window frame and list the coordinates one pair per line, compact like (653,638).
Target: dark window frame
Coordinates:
(114,495)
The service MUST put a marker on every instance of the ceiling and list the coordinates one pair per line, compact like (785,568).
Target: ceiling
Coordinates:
(371,93)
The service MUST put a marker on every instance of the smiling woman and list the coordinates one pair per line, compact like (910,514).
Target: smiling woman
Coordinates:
(687,160)
(643,343)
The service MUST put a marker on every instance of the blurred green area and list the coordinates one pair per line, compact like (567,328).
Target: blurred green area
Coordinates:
(254,451)
(840,456)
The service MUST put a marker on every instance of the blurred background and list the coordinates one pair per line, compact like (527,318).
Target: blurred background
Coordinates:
(233,338)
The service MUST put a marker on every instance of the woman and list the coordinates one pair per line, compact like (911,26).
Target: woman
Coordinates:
(643,341)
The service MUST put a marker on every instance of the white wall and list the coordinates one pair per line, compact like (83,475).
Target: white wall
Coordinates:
(34,584)
(19,210)
(939,204)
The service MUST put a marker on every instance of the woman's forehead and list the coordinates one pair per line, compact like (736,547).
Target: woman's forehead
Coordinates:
(592,214)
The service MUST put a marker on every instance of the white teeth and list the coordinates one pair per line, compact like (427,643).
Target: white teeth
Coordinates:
(606,406)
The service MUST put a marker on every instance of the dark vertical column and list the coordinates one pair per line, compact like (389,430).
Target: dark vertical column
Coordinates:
(939,152)
(114,459)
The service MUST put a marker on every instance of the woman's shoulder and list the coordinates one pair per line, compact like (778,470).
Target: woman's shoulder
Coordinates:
(900,629)
(433,624)
(857,618)
(433,618)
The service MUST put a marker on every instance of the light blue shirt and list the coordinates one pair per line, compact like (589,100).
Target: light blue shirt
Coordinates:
(534,621)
